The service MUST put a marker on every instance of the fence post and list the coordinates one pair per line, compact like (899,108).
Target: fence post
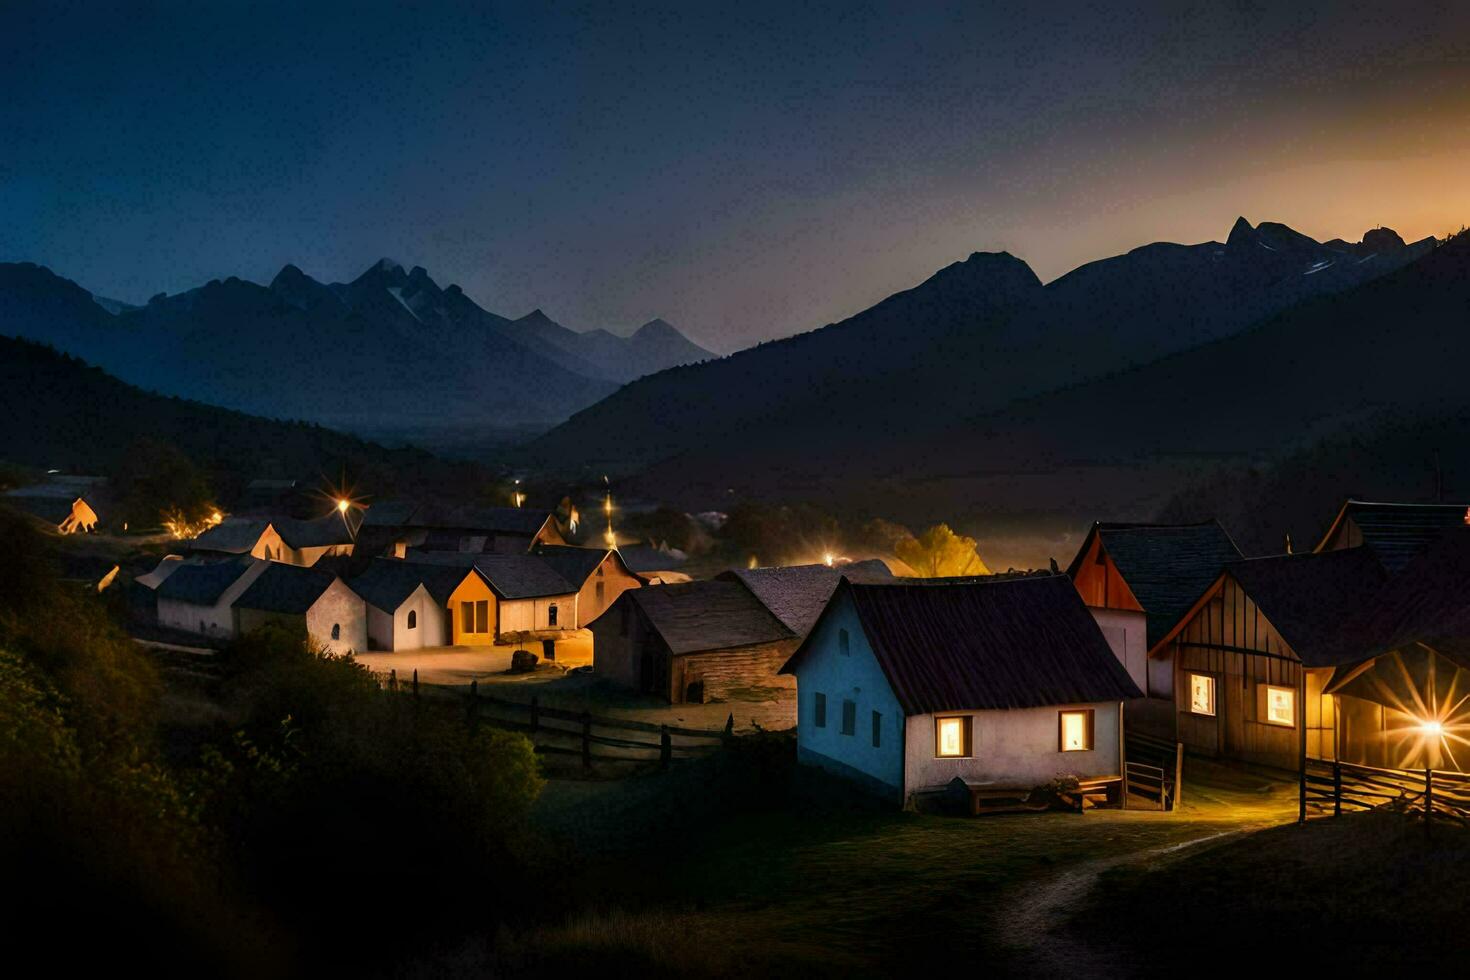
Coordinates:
(1336,788)
(1428,799)
(415,683)
(665,747)
(1178,776)
(392,679)
(729,732)
(535,714)
(586,740)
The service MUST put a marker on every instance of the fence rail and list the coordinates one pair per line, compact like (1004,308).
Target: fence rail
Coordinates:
(563,731)
(1153,769)
(1328,788)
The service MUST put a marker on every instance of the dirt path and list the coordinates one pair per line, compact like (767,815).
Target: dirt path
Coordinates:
(1032,924)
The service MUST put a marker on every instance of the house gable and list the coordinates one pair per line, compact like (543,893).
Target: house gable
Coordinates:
(1098,580)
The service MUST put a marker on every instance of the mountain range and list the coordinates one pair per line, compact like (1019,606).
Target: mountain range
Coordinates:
(1018,409)
(389,354)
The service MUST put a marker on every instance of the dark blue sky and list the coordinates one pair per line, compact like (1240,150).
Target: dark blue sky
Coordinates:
(745,171)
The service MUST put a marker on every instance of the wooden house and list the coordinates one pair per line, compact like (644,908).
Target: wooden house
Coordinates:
(1253,655)
(797,594)
(1008,684)
(332,614)
(691,642)
(599,575)
(199,597)
(1138,580)
(409,604)
(1394,533)
(1402,702)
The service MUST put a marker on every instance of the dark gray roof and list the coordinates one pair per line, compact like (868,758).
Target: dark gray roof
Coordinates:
(510,576)
(576,565)
(232,536)
(204,583)
(317,533)
(283,588)
(387,582)
(1167,566)
(643,558)
(1314,599)
(1425,603)
(1020,642)
(390,513)
(698,616)
(1397,532)
(796,594)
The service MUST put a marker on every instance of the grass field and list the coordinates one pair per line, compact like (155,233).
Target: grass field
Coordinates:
(701,872)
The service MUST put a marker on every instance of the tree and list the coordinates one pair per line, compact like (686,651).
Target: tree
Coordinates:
(939,552)
(155,478)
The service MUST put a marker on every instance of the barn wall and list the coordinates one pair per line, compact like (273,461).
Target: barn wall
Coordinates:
(724,673)
(857,678)
(614,581)
(1230,639)
(1014,749)
(621,639)
(535,614)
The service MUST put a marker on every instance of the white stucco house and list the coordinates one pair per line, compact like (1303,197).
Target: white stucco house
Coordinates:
(407,602)
(1008,684)
(332,614)
(199,597)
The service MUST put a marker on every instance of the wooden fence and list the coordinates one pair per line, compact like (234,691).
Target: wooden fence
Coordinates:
(1153,769)
(1331,788)
(564,732)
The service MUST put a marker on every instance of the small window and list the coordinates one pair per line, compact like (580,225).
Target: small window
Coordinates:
(336,631)
(467,617)
(551,615)
(1279,704)
(844,645)
(413,619)
(1076,731)
(819,710)
(1201,694)
(482,616)
(877,730)
(952,737)
(849,717)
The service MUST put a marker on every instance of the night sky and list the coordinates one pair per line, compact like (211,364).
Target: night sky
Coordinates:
(744,172)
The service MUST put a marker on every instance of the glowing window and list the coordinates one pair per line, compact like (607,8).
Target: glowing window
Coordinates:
(1201,694)
(1076,731)
(1280,705)
(952,737)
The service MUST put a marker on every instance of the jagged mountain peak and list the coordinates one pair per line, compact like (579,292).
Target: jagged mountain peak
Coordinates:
(535,317)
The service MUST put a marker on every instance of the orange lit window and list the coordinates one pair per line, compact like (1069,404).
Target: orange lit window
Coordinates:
(1201,694)
(1076,731)
(1280,705)
(952,737)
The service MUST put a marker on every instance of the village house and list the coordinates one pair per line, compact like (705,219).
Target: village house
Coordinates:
(199,597)
(1394,533)
(599,575)
(236,536)
(66,503)
(692,642)
(1401,703)
(1004,684)
(1254,653)
(409,603)
(392,527)
(511,596)
(307,542)
(1138,580)
(654,565)
(332,614)
(797,594)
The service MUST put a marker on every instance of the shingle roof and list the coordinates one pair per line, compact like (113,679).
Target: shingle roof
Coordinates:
(317,533)
(511,576)
(700,616)
(576,565)
(233,535)
(283,588)
(1427,602)
(1016,643)
(387,582)
(1315,600)
(1397,532)
(797,594)
(643,558)
(1167,566)
(204,583)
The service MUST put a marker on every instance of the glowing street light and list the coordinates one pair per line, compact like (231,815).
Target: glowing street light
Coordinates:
(342,505)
